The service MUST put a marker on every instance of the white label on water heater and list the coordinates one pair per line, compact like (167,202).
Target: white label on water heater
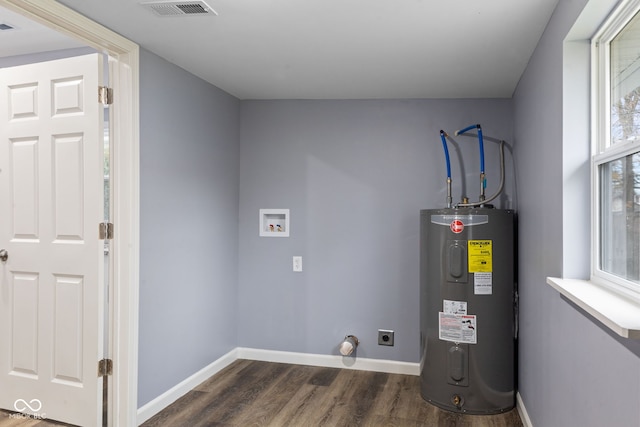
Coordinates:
(454,307)
(459,328)
(483,283)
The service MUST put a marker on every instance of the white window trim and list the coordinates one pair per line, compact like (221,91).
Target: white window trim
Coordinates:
(614,306)
(602,150)
(619,314)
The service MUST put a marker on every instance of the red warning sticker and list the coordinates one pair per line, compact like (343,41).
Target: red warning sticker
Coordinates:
(456,226)
(459,328)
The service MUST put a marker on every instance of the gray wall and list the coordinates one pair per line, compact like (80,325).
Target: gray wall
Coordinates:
(355,175)
(188,227)
(572,371)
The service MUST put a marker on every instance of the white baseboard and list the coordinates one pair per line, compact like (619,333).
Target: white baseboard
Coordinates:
(524,416)
(167,398)
(330,361)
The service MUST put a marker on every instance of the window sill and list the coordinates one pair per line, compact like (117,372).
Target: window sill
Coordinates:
(616,312)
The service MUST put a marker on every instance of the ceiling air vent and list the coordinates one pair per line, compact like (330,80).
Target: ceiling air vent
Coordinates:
(179,8)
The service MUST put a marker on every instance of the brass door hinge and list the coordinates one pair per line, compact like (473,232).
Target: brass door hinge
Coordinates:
(105,367)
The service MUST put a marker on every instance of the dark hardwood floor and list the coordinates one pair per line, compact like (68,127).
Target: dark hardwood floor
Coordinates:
(12,419)
(251,393)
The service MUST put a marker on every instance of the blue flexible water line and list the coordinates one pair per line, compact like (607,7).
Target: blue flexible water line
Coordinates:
(481,142)
(468,128)
(446,153)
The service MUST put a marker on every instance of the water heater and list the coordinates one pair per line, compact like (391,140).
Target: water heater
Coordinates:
(467,283)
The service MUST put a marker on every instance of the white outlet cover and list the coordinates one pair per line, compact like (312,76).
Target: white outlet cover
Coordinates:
(297,263)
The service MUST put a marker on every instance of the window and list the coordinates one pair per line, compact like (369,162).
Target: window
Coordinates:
(616,151)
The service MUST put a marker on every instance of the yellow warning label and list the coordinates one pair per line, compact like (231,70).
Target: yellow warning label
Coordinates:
(480,256)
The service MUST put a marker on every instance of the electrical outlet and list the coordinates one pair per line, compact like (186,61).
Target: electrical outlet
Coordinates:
(385,337)
(297,263)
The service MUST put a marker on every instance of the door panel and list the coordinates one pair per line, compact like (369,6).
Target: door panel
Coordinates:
(24,360)
(23,155)
(51,202)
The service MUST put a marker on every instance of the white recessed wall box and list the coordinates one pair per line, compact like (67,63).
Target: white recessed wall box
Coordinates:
(274,222)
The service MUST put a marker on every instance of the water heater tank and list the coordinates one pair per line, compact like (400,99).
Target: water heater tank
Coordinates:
(468,309)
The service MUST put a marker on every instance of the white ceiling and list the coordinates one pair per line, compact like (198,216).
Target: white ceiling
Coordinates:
(29,37)
(330,49)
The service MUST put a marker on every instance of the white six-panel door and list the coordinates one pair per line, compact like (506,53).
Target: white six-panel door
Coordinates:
(51,202)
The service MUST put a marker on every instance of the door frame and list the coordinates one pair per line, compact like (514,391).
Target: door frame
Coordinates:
(125,172)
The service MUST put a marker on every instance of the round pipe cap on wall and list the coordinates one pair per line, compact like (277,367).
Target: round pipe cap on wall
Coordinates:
(348,345)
